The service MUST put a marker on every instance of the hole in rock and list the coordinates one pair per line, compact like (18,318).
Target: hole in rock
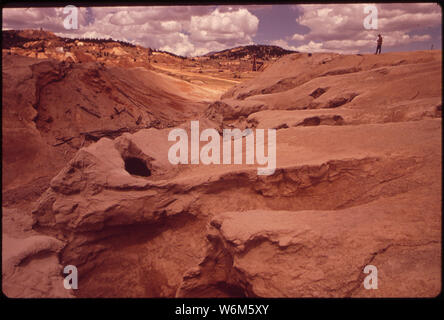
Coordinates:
(313,121)
(137,167)
(318,92)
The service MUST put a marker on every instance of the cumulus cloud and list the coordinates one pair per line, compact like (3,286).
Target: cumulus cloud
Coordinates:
(297,37)
(222,29)
(240,24)
(340,28)
(196,30)
(283,44)
(312,47)
(183,30)
(35,18)
(177,43)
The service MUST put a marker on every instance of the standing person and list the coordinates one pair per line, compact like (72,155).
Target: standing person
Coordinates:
(379,41)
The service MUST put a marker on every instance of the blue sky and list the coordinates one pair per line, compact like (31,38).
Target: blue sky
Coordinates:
(196,30)
(277,22)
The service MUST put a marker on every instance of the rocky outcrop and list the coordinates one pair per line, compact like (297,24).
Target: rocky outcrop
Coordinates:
(30,267)
(369,86)
(51,109)
(297,69)
(357,182)
(302,254)
(110,218)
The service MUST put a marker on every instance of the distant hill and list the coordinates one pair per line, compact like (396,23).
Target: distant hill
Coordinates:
(260,51)
(18,38)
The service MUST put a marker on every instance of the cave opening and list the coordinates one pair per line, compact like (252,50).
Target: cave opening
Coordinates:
(137,167)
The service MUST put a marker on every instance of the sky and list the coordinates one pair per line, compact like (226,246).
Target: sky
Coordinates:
(196,30)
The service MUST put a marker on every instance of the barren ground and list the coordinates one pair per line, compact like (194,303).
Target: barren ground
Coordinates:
(357,180)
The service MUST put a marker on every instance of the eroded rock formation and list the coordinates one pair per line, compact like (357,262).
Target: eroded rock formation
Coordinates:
(357,182)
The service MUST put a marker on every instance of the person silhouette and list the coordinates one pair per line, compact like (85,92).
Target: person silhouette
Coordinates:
(379,41)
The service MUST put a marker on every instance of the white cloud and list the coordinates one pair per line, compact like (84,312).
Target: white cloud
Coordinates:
(283,44)
(297,37)
(195,30)
(183,30)
(35,18)
(171,26)
(240,25)
(179,44)
(340,28)
(312,47)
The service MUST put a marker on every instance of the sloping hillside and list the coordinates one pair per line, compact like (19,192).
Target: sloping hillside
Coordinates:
(358,88)
(51,109)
